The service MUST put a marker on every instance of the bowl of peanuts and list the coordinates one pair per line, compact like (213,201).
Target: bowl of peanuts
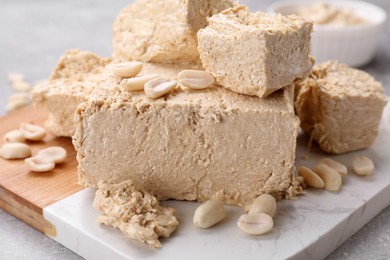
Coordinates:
(344,30)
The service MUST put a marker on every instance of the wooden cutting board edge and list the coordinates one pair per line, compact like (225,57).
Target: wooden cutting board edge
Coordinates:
(25,211)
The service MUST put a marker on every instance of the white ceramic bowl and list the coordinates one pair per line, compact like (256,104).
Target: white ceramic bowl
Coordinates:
(354,45)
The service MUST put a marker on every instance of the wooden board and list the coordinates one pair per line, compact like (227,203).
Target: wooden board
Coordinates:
(24,194)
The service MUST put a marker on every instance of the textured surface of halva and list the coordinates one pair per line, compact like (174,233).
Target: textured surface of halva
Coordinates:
(255,53)
(162,31)
(190,144)
(76,75)
(340,107)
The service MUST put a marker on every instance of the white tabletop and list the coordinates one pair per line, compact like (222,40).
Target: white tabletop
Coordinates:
(33,34)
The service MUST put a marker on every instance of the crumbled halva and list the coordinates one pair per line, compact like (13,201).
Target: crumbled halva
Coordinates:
(136,213)
(340,107)
(76,75)
(255,53)
(190,144)
(162,31)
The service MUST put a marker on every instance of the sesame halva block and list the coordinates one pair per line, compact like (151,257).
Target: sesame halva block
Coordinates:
(189,144)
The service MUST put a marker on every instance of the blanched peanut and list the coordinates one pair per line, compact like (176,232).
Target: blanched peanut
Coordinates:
(256,223)
(12,77)
(40,164)
(340,168)
(209,213)
(17,101)
(363,165)
(15,151)
(311,178)
(195,79)
(126,69)
(21,86)
(56,153)
(19,96)
(14,136)
(331,177)
(136,83)
(18,83)
(264,203)
(158,87)
(33,132)
(15,105)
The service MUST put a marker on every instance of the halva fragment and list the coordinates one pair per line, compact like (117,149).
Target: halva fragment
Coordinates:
(136,213)
(340,107)
(255,53)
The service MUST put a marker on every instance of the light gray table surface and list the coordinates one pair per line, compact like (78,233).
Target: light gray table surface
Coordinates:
(34,34)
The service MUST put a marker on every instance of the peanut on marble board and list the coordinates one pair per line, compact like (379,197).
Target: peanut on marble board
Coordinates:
(328,173)
(257,221)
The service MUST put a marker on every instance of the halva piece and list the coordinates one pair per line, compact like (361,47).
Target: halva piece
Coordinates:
(189,144)
(340,107)
(162,31)
(255,53)
(76,75)
(136,213)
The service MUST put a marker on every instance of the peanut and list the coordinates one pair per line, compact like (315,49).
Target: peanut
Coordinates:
(340,168)
(256,223)
(32,132)
(18,83)
(15,151)
(14,136)
(56,153)
(264,203)
(126,69)
(158,87)
(17,101)
(363,165)
(21,86)
(136,83)
(195,79)
(209,213)
(40,163)
(12,77)
(331,177)
(311,178)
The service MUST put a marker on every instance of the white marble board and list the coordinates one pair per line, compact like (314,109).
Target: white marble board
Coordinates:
(310,227)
